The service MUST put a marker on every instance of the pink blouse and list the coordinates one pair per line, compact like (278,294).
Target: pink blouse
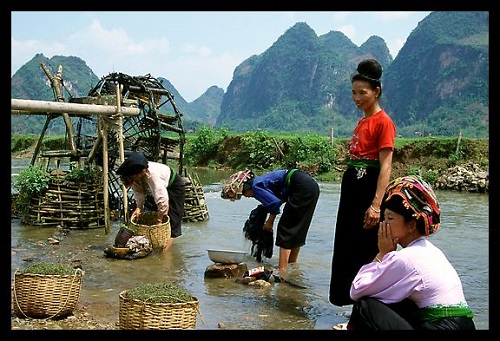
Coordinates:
(419,271)
(156,180)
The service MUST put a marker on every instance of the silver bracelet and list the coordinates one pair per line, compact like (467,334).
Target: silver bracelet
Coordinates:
(374,210)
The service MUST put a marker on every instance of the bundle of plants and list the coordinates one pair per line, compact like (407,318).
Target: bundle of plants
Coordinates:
(45,268)
(160,293)
(158,306)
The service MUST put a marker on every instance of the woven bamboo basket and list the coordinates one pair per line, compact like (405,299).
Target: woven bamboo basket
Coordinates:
(158,234)
(46,296)
(136,314)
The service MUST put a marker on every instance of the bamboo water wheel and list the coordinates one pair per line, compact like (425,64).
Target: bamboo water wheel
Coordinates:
(156,131)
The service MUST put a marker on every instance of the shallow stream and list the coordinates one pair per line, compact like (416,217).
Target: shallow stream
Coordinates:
(464,238)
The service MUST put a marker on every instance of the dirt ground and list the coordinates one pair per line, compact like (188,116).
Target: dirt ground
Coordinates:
(81,319)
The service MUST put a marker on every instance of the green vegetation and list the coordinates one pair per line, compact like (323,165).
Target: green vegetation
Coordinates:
(44,268)
(85,174)
(323,158)
(160,293)
(314,153)
(259,150)
(32,182)
(21,142)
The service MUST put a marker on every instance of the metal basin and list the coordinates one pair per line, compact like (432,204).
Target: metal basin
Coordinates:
(226,256)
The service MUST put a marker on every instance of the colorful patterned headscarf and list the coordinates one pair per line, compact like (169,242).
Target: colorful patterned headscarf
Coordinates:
(233,187)
(418,196)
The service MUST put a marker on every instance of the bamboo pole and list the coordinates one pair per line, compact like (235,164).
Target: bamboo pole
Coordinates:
(35,107)
(55,82)
(458,142)
(103,130)
(122,152)
(40,139)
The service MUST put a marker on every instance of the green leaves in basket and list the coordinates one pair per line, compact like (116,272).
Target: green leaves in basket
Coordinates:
(44,268)
(160,293)
(129,226)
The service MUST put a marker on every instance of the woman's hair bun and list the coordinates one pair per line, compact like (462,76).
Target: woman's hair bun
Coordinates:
(370,68)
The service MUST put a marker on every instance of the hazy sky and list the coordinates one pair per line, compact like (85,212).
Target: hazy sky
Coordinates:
(193,50)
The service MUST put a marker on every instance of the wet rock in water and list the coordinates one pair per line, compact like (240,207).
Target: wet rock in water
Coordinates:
(225,270)
(260,283)
(53,241)
(245,280)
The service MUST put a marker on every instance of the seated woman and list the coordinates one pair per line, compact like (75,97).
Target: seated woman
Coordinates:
(414,287)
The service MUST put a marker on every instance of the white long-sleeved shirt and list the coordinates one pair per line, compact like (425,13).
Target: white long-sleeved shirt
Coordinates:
(419,271)
(156,180)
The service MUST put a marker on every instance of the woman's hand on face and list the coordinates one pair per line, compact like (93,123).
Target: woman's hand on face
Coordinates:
(386,242)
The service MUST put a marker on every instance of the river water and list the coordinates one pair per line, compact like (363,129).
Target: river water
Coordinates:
(464,237)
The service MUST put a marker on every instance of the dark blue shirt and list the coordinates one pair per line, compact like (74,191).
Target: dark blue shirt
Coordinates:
(269,190)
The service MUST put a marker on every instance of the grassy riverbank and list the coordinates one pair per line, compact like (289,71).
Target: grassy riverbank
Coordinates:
(319,155)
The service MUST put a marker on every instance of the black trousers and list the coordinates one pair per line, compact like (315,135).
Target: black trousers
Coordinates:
(370,314)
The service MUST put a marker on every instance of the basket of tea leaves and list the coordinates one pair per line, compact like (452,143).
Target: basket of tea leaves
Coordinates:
(46,290)
(158,306)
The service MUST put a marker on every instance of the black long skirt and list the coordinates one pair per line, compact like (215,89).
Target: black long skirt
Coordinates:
(295,221)
(176,198)
(353,245)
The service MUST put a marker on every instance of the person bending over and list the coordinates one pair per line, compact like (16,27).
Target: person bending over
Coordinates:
(165,185)
(292,187)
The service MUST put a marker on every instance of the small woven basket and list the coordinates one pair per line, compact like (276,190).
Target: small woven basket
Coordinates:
(136,314)
(158,234)
(46,296)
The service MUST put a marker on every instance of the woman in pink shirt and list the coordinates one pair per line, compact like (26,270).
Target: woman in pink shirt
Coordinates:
(415,286)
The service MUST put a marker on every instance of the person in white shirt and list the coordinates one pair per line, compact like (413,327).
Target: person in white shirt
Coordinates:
(415,286)
(165,185)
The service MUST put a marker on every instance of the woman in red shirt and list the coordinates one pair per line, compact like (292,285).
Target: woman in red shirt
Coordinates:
(363,183)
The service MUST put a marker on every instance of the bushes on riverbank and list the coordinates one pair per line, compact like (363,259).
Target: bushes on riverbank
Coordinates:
(319,155)
(325,157)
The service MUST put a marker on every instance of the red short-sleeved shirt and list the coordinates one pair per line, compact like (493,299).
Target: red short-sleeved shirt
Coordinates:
(371,135)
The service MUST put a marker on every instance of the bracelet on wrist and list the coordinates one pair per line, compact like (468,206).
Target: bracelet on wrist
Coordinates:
(374,210)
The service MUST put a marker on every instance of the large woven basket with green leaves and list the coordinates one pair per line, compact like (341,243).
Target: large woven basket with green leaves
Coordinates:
(46,296)
(135,313)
